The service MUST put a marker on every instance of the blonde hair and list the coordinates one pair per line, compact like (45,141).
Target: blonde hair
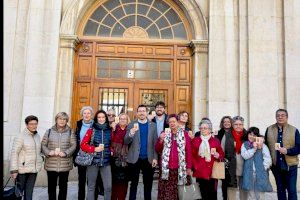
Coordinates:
(128,118)
(62,115)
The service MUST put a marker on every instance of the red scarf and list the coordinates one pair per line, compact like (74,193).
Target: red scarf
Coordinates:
(238,139)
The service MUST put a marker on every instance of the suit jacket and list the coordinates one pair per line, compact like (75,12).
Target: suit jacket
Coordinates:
(134,143)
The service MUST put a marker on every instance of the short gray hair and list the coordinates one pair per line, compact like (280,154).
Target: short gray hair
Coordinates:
(236,118)
(62,115)
(206,121)
(86,108)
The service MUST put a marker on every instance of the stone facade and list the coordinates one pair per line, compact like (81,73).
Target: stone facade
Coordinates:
(245,57)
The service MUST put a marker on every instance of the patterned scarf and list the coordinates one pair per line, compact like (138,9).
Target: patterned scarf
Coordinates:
(180,139)
(204,148)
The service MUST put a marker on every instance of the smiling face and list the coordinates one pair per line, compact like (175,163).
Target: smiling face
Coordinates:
(87,115)
(159,110)
(173,123)
(32,125)
(101,118)
(61,122)
(238,126)
(123,120)
(184,117)
(204,129)
(281,118)
(251,137)
(226,123)
(142,113)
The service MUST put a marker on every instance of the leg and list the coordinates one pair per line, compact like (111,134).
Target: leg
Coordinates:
(212,189)
(242,193)
(292,182)
(92,173)
(106,179)
(52,183)
(29,185)
(231,193)
(21,181)
(251,194)
(63,185)
(134,172)
(148,172)
(224,190)
(280,182)
(81,182)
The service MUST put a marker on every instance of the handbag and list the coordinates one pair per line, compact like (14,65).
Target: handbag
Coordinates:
(83,158)
(218,171)
(189,192)
(13,193)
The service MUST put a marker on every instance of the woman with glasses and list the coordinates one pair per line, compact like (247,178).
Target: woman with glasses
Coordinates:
(205,151)
(232,143)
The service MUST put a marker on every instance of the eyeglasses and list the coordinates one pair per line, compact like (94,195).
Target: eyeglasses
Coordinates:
(282,115)
(33,124)
(111,115)
(203,128)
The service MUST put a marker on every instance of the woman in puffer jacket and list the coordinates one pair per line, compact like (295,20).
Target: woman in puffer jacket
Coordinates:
(97,140)
(58,145)
(26,160)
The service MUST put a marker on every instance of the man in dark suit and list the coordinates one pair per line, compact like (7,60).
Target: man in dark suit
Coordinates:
(141,137)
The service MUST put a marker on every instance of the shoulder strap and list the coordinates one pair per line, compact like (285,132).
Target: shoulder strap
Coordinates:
(48,136)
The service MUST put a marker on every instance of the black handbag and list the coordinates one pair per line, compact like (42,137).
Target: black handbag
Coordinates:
(13,193)
(83,158)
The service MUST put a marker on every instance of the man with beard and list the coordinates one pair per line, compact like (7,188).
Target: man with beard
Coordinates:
(161,117)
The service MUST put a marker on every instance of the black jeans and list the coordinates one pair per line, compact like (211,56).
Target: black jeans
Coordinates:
(81,182)
(134,172)
(62,182)
(207,189)
(224,189)
(27,182)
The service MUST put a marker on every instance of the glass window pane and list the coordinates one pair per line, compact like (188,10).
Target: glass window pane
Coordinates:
(118,31)
(99,14)
(129,9)
(140,64)
(128,1)
(111,4)
(104,31)
(153,32)
(149,2)
(152,65)
(165,75)
(103,63)
(115,74)
(160,5)
(165,66)
(143,22)
(153,14)
(166,34)
(115,64)
(140,74)
(179,31)
(128,21)
(109,20)
(118,13)
(102,73)
(90,28)
(142,9)
(173,17)
(162,22)
(128,64)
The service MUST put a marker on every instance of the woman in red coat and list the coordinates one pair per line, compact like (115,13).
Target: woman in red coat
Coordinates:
(205,150)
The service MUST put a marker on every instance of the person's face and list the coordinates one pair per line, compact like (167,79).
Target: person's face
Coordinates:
(281,117)
(160,110)
(123,120)
(32,125)
(226,123)
(87,115)
(251,137)
(204,129)
(173,123)
(142,113)
(61,122)
(184,117)
(238,126)
(111,116)
(101,118)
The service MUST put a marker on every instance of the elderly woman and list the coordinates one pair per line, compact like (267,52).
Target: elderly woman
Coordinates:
(205,151)
(26,160)
(58,145)
(82,126)
(118,161)
(232,143)
(174,146)
(183,120)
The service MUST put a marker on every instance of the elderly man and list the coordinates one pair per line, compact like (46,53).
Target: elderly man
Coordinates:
(283,141)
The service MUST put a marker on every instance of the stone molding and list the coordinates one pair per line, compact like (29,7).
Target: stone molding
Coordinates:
(199,46)
(69,41)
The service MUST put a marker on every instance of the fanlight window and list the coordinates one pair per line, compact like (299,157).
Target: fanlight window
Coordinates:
(153,19)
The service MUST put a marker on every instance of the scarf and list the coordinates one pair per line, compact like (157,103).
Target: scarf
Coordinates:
(180,139)
(204,148)
(237,136)
(98,126)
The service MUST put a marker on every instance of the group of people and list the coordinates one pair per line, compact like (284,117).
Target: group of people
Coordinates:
(122,148)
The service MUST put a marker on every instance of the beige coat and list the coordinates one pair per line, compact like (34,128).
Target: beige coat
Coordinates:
(66,141)
(26,153)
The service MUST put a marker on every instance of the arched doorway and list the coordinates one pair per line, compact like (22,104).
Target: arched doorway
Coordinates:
(133,52)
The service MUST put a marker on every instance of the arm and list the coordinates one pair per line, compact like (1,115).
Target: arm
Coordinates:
(154,142)
(69,152)
(85,146)
(220,151)
(296,149)
(128,137)
(188,152)
(266,137)
(14,158)
(45,148)
(159,146)
(266,157)
(223,142)
(246,154)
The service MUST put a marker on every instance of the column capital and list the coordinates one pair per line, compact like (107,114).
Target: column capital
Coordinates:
(69,41)
(199,46)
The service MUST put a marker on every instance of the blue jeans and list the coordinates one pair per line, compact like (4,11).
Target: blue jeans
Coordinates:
(286,180)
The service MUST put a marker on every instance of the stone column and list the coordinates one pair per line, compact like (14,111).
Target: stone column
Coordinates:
(200,80)
(65,73)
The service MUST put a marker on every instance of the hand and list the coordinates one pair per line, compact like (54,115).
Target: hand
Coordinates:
(189,172)
(216,155)
(254,145)
(162,136)
(132,131)
(62,154)
(154,163)
(283,150)
(14,175)
(191,134)
(99,149)
(51,153)
(113,126)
